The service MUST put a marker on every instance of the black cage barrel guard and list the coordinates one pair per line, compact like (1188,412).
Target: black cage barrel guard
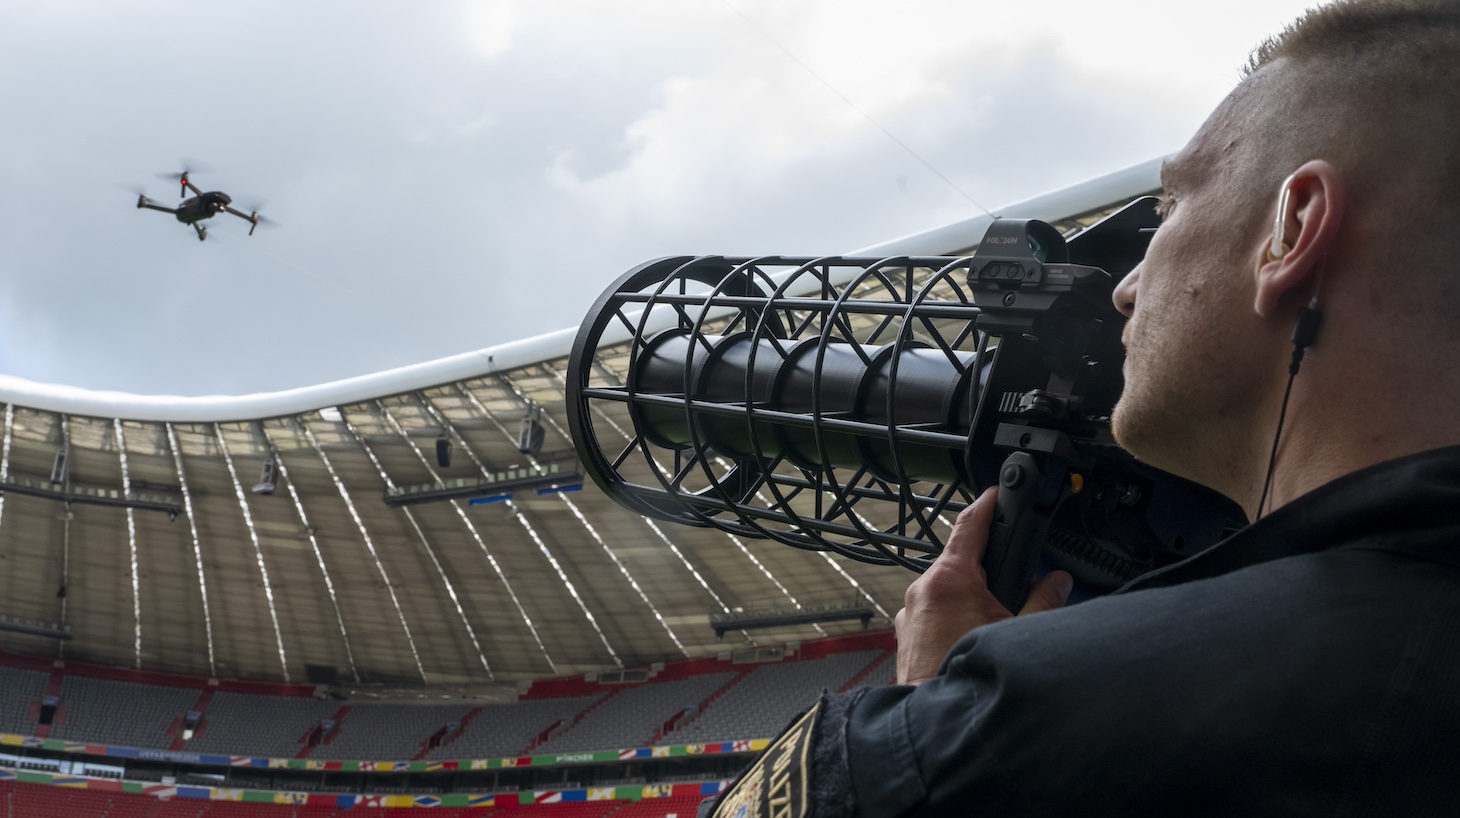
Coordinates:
(856,405)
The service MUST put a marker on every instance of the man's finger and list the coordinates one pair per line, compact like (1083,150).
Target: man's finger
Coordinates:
(1049,593)
(971,530)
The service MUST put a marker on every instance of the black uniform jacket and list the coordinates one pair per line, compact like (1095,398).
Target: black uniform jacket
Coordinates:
(1308,665)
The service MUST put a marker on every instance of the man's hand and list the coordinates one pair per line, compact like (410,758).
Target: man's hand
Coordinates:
(952,597)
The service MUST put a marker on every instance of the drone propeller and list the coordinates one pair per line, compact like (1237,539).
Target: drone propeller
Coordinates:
(136,190)
(253,206)
(188,166)
(258,219)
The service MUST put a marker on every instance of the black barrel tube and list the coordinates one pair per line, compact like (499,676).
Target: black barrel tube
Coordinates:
(888,387)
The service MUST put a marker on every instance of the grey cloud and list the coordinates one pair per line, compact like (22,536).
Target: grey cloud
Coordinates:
(413,183)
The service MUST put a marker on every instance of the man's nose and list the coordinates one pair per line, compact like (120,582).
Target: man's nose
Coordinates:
(1125,292)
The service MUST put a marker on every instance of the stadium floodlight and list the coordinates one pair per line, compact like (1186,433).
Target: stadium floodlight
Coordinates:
(443,450)
(268,478)
(530,435)
(60,465)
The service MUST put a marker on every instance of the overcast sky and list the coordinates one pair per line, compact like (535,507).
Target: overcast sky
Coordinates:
(452,175)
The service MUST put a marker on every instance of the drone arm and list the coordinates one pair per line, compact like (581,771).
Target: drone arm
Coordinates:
(188,185)
(151,206)
(251,218)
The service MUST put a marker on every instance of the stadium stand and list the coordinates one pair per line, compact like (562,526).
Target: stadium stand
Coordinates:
(715,700)
(882,674)
(120,713)
(20,694)
(628,718)
(388,731)
(39,801)
(503,730)
(248,724)
(677,807)
(763,702)
(576,809)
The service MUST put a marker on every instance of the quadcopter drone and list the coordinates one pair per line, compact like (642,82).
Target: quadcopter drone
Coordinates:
(201,206)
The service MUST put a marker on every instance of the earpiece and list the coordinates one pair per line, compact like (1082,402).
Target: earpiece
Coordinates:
(1279,248)
(1305,329)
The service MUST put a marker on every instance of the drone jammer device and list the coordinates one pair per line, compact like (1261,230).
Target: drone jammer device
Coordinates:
(856,405)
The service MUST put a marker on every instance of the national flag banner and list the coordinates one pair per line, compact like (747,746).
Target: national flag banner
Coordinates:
(239,761)
(481,764)
(627,753)
(509,762)
(600,794)
(225,795)
(658,791)
(548,797)
(481,801)
(660,752)
(758,744)
(451,765)
(7,775)
(524,761)
(694,749)
(82,747)
(435,766)
(367,766)
(427,801)
(11,739)
(400,801)
(73,781)
(334,765)
(290,797)
(159,791)
(366,801)
(313,764)
(278,763)
(575,795)
(741,747)
(712,787)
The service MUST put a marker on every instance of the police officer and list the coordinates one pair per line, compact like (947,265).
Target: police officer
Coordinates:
(1309,664)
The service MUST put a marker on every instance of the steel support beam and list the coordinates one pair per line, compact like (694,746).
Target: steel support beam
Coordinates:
(329,584)
(187,494)
(258,549)
(369,544)
(526,524)
(132,545)
(420,533)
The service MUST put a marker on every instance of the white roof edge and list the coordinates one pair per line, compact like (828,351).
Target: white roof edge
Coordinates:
(954,238)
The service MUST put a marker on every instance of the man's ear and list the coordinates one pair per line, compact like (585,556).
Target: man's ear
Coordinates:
(1312,199)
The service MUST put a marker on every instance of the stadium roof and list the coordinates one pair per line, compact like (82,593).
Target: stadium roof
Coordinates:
(155,553)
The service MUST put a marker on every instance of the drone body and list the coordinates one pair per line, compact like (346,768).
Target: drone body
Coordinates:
(201,206)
